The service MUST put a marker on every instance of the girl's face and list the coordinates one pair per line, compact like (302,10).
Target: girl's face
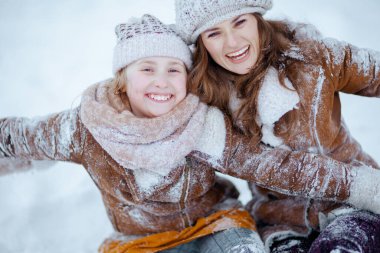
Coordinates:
(155,85)
(234,43)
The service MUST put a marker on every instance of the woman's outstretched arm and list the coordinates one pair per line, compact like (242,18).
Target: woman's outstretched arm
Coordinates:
(354,70)
(295,173)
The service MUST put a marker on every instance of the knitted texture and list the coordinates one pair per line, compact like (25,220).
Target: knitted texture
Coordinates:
(196,16)
(142,143)
(147,37)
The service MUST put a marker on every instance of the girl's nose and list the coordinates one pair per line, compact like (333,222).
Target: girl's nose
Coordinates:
(160,82)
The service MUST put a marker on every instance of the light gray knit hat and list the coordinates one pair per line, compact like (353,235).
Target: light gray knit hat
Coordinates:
(147,37)
(195,16)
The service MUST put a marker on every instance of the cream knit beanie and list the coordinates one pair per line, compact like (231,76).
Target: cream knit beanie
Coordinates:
(147,37)
(195,16)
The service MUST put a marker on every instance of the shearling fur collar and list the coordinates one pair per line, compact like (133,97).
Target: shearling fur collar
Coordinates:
(274,101)
(158,144)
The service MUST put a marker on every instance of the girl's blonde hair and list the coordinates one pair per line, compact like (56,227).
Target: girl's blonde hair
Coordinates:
(213,84)
(119,85)
(120,81)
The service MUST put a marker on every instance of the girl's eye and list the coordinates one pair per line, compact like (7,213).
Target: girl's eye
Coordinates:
(174,70)
(147,70)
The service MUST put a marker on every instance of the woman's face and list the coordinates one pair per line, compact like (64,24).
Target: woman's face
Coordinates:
(155,85)
(234,43)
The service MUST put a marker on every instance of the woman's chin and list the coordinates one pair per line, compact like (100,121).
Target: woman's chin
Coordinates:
(239,69)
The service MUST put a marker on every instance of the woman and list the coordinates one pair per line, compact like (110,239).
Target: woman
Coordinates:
(280,82)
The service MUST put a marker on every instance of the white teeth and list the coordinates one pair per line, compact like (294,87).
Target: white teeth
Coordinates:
(238,53)
(160,97)
(239,57)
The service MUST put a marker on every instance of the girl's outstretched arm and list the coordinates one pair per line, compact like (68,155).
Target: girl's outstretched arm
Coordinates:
(55,137)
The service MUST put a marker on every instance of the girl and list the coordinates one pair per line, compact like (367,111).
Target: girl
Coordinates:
(153,151)
(133,134)
(281,82)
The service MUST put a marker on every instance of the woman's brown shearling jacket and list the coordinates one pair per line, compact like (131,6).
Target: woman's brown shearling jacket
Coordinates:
(328,68)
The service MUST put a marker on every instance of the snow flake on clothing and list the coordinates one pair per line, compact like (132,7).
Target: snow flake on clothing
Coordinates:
(274,100)
(146,179)
(304,31)
(365,58)
(294,52)
(36,138)
(316,105)
(336,49)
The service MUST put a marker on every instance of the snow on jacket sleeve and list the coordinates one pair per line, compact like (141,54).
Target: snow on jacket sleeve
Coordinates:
(355,70)
(55,137)
(294,173)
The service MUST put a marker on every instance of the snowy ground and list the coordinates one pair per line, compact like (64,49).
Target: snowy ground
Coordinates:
(51,50)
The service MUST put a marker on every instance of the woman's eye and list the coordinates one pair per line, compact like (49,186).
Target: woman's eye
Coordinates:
(174,70)
(147,70)
(211,35)
(240,22)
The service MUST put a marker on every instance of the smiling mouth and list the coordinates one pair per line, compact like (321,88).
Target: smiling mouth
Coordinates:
(160,98)
(238,55)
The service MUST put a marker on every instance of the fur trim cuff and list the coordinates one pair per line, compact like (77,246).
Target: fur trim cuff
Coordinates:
(365,189)
(213,139)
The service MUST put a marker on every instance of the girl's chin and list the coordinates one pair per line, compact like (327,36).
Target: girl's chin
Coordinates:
(159,113)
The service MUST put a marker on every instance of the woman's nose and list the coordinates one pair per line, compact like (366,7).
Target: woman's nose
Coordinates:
(231,39)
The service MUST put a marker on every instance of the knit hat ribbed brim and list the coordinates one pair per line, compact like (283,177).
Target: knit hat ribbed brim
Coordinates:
(148,37)
(195,16)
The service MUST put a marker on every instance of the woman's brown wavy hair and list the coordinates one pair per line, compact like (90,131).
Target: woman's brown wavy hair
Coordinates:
(214,84)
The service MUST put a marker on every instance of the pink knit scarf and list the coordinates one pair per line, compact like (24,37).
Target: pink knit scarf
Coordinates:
(157,144)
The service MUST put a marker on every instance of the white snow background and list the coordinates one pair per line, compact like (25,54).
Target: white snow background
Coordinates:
(50,51)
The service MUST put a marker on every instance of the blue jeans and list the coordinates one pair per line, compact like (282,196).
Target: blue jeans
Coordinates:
(234,240)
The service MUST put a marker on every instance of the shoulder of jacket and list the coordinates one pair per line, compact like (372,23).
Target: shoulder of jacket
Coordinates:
(304,31)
